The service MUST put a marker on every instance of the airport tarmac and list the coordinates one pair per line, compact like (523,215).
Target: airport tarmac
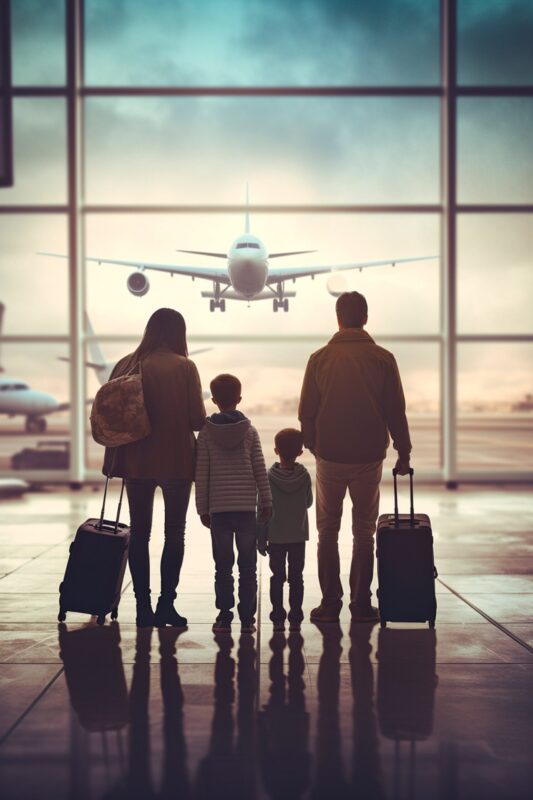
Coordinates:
(503,442)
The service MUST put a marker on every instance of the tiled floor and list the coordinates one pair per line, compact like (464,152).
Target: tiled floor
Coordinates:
(90,712)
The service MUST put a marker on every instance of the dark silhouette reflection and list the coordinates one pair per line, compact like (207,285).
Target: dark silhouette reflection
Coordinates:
(284,724)
(95,678)
(175,781)
(330,781)
(228,769)
(98,693)
(139,781)
(366,766)
(407,681)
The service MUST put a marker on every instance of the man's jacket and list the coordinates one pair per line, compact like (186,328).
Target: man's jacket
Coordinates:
(351,399)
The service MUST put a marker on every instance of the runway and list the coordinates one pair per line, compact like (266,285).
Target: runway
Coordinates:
(485,442)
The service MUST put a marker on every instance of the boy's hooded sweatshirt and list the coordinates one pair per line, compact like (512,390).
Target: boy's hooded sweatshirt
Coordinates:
(292,495)
(230,469)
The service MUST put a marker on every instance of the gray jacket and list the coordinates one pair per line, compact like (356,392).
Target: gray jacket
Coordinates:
(230,468)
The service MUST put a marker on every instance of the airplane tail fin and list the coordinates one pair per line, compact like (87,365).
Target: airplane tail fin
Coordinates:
(97,357)
(247,215)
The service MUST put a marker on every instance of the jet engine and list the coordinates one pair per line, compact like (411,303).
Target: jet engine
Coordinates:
(138,284)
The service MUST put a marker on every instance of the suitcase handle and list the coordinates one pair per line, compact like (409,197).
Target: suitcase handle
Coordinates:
(412,510)
(101,521)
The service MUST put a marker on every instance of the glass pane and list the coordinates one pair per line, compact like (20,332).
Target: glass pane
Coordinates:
(494,42)
(401,300)
(27,278)
(34,390)
(495,150)
(291,150)
(38,28)
(254,43)
(495,396)
(39,142)
(495,273)
(270,394)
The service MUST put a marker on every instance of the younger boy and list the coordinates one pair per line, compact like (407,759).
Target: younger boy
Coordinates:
(231,484)
(285,534)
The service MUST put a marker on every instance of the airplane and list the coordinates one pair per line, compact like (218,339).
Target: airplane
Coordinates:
(17,398)
(247,275)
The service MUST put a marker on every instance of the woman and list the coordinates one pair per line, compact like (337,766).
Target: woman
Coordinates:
(165,458)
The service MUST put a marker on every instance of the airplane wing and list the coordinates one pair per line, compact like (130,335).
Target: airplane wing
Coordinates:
(291,273)
(207,273)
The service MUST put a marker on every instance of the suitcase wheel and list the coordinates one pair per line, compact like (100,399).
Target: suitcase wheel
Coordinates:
(431,623)
(100,619)
(61,617)
(114,613)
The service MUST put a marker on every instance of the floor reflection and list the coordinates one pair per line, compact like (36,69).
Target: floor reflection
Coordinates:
(407,682)
(249,752)
(284,723)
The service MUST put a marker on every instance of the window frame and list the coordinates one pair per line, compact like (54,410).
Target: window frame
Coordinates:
(448,209)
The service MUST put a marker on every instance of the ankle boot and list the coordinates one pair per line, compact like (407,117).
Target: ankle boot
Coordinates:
(166,614)
(145,616)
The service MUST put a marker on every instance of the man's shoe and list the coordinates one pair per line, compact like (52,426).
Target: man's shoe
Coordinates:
(166,614)
(369,614)
(320,614)
(221,626)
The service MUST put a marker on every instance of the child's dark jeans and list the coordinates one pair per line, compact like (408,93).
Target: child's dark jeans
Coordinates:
(224,526)
(292,555)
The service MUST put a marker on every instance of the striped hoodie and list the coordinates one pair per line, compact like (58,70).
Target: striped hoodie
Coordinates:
(230,468)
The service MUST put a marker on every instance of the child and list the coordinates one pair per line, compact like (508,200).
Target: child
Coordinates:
(288,530)
(231,482)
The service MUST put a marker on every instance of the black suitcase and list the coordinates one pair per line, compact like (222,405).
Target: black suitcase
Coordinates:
(95,568)
(406,569)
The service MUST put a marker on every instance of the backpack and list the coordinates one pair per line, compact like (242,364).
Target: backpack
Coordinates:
(118,414)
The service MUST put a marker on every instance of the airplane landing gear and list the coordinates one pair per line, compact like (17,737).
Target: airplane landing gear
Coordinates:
(214,304)
(277,304)
(35,425)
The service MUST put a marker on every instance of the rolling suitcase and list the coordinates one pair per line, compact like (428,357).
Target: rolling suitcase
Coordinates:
(95,568)
(406,570)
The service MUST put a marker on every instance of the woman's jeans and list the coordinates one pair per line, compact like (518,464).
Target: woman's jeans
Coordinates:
(176,495)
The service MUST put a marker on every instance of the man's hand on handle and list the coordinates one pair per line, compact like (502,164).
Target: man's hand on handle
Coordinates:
(403,466)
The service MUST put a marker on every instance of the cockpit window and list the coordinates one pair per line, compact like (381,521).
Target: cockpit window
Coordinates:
(12,387)
(247,244)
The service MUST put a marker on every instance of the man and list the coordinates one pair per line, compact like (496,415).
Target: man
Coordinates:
(351,399)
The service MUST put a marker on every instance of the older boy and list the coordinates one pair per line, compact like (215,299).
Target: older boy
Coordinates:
(287,531)
(231,484)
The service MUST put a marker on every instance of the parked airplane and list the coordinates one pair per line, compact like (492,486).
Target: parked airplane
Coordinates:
(247,275)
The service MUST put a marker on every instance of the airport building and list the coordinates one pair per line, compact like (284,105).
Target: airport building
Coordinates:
(246,163)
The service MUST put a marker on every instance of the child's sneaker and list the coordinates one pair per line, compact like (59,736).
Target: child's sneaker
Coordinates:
(295,627)
(279,626)
(248,627)
(221,625)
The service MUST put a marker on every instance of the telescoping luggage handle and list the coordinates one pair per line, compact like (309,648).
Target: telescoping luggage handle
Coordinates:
(101,522)
(412,510)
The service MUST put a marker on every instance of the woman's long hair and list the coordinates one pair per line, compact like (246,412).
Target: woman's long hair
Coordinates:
(165,328)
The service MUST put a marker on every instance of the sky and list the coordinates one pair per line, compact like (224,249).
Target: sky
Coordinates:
(290,150)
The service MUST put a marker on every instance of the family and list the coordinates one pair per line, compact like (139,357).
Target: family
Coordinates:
(351,400)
